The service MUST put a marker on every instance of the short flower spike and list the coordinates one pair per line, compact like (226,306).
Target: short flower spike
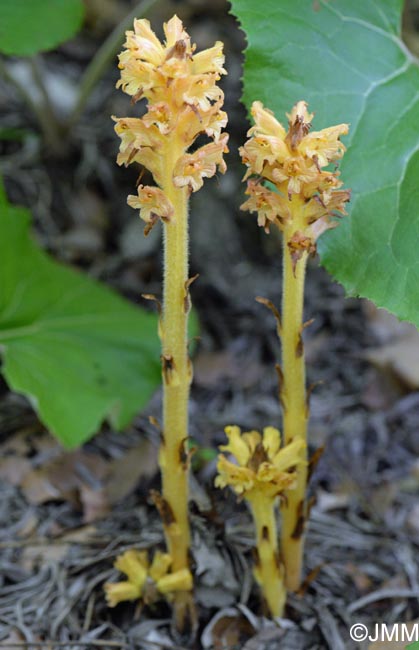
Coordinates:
(146,582)
(260,470)
(260,466)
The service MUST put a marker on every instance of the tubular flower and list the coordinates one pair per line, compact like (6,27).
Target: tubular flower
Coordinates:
(153,205)
(294,162)
(261,466)
(191,169)
(271,207)
(146,582)
(184,102)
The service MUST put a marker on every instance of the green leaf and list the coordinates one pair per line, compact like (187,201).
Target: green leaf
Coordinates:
(347,60)
(31,26)
(78,351)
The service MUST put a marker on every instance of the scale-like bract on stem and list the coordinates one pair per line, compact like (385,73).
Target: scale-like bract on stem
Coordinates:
(303,200)
(183,102)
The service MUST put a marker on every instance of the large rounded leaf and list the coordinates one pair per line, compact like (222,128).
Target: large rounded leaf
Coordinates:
(78,351)
(31,26)
(347,60)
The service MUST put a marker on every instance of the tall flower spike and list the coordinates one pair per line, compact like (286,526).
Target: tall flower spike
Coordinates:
(304,201)
(184,102)
(260,470)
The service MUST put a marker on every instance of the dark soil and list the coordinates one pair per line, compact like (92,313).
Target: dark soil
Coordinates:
(363,536)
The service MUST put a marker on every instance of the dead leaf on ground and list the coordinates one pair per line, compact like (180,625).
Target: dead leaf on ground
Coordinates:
(398,354)
(45,472)
(13,469)
(229,628)
(54,550)
(361,580)
(213,368)
(401,359)
(266,638)
(62,478)
(381,391)
(329,501)
(139,462)
(39,555)
(95,503)
(385,326)
(14,637)
(121,477)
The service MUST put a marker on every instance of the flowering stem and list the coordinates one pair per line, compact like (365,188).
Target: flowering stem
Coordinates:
(176,372)
(303,204)
(293,397)
(268,569)
(183,103)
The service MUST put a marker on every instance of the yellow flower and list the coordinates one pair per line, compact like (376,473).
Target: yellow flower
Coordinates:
(171,69)
(210,60)
(144,42)
(117,592)
(179,581)
(184,101)
(324,146)
(266,123)
(133,563)
(270,206)
(174,32)
(261,465)
(140,143)
(160,116)
(318,212)
(152,204)
(294,162)
(191,169)
(203,91)
(146,581)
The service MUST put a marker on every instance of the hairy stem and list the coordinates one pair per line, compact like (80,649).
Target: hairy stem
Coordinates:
(176,377)
(293,397)
(268,571)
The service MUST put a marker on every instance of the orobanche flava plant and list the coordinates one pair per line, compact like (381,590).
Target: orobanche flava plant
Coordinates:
(303,200)
(262,470)
(183,102)
(146,582)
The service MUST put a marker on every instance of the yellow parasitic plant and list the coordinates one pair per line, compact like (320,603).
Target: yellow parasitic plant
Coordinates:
(260,473)
(183,102)
(302,200)
(146,582)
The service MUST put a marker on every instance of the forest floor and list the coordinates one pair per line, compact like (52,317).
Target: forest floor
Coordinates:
(64,516)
